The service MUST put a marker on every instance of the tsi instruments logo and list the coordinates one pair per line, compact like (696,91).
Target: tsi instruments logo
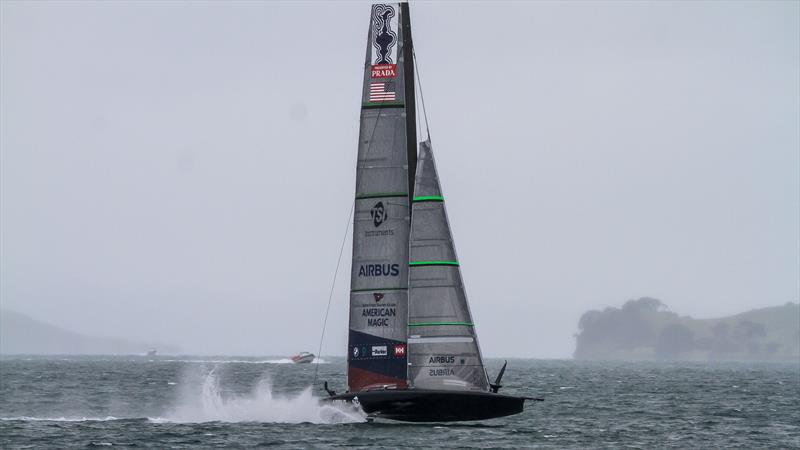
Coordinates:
(379,215)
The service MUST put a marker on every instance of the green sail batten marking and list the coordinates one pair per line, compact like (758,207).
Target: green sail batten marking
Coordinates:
(433,263)
(429,198)
(378,289)
(434,324)
(382,105)
(382,194)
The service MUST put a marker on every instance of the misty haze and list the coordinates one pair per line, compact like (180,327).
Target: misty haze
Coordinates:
(193,188)
(613,209)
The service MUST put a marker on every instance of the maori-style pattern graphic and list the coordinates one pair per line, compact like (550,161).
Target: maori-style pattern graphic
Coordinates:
(383,37)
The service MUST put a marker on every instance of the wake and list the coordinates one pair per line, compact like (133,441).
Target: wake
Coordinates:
(59,419)
(262,405)
(241,361)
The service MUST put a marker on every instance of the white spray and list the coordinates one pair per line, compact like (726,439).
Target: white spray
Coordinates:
(262,405)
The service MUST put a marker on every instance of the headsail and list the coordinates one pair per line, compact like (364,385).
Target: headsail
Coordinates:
(384,183)
(442,343)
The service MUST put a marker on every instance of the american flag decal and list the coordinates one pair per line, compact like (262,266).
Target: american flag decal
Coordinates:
(379,92)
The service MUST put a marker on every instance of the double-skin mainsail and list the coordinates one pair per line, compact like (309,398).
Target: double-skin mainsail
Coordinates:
(384,183)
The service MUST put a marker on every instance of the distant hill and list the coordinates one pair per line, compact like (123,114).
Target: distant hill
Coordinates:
(22,335)
(644,329)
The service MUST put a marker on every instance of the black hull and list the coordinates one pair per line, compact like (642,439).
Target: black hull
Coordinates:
(413,405)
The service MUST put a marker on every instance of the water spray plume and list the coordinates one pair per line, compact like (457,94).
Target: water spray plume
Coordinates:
(261,405)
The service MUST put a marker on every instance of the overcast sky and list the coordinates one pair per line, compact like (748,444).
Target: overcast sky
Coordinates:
(183,172)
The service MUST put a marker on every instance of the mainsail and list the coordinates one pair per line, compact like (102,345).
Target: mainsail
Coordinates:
(443,347)
(377,352)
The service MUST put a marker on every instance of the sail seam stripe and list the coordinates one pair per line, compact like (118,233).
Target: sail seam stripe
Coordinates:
(433,263)
(433,324)
(382,194)
(429,198)
(382,105)
(451,365)
(378,289)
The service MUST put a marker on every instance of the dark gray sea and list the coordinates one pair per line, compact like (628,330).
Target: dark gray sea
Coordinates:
(196,402)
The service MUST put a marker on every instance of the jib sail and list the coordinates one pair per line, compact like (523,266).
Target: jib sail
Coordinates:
(443,347)
(377,349)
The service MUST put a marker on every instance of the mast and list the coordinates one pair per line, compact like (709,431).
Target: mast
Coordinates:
(411,106)
(377,352)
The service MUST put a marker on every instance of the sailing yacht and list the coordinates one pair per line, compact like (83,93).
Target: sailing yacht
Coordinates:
(413,352)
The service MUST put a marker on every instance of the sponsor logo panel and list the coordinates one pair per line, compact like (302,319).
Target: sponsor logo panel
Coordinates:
(383,71)
(380,351)
(360,352)
(373,233)
(373,311)
(442,359)
(379,214)
(378,270)
(379,316)
(383,62)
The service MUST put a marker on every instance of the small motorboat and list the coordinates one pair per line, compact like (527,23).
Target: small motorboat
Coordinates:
(303,358)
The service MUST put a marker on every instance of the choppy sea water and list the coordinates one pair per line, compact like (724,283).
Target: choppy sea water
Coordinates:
(172,402)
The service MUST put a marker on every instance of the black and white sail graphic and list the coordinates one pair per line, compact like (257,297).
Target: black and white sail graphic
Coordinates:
(377,348)
(442,343)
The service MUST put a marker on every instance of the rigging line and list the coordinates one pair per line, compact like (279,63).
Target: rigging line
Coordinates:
(419,125)
(344,240)
(416,104)
(422,97)
(333,286)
